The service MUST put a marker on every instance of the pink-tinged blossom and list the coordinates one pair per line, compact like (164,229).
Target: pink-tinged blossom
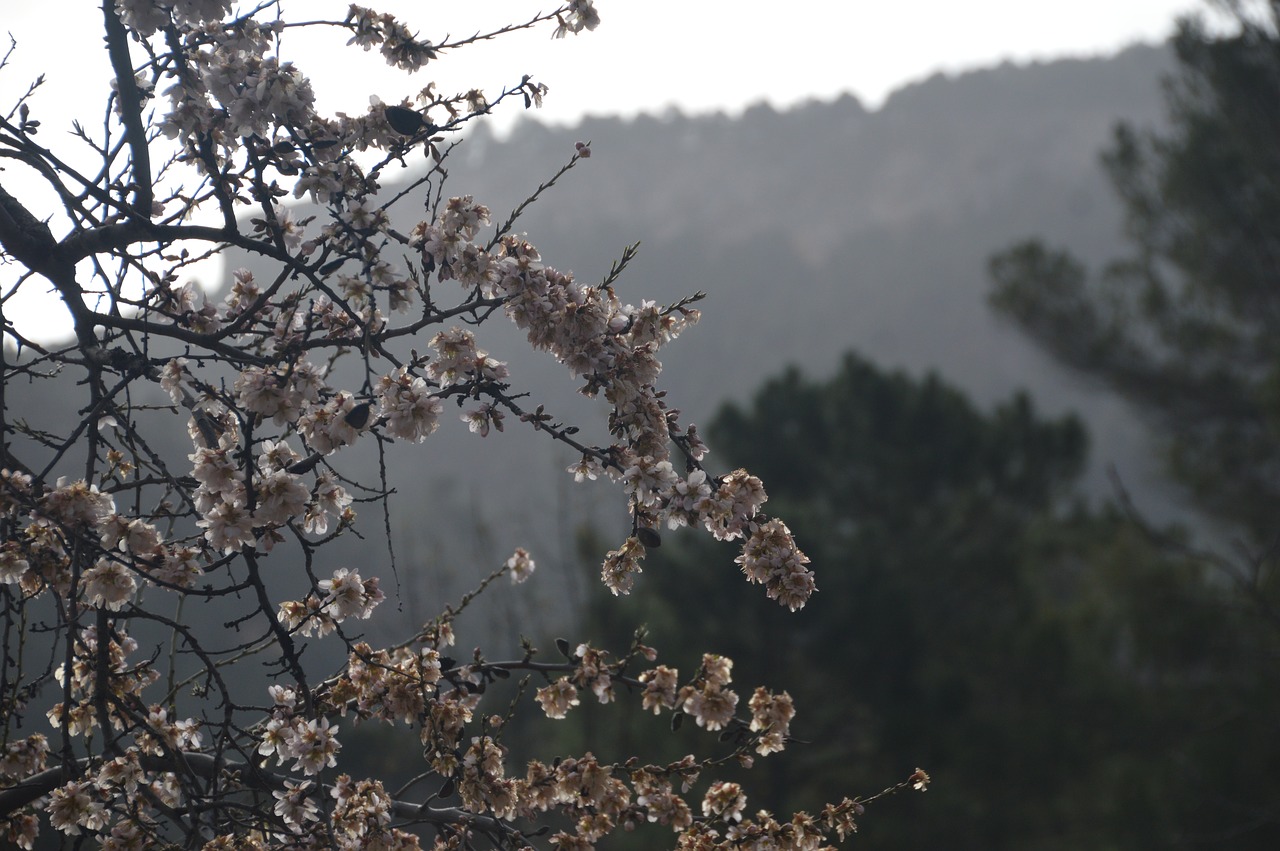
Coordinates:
(179,566)
(480,419)
(520,565)
(23,757)
(659,689)
(716,669)
(462,215)
(12,566)
(281,496)
(215,469)
(711,707)
(328,427)
(257,92)
(123,773)
(685,497)
(114,532)
(771,715)
(724,800)
(244,293)
(306,617)
(126,836)
(15,491)
(348,596)
(270,393)
(172,376)
(730,512)
(182,734)
(21,829)
(228,527)
(406,405)
(593,672)
(582,16)
(275,455)
(145,16)
(141,538)
(197,12)
(663,805)
(282,696)
(329,499)
(392,38)
(647,479)
(294,805)
(621,566)
(274,736)
(313,745)
(74,807)
(558,698)
(587,468)
(77,504)
(771,557)
(108,584)
(456,356)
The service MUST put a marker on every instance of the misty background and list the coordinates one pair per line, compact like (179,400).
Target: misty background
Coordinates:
(818,231)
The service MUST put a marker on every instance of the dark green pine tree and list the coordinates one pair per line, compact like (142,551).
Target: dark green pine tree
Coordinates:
(1185,324)
(1049,668)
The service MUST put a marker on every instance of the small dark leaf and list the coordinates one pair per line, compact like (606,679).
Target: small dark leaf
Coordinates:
(332,266)
(358,417)
(500,673)
(563,646)
(676,721)
(649,539)
(404,121)
(446,790)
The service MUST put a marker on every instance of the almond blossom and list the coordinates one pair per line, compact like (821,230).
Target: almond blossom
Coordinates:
(366,329)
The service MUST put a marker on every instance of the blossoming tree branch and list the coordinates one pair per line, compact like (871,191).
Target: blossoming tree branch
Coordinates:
(207,139)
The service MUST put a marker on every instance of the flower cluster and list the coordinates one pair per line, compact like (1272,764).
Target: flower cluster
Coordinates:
(520,565)
(312,744)
(159,744)
(362,814)
(147,16)
(390,36)
(408,408)
(343,596)
(347,595)
(80,679)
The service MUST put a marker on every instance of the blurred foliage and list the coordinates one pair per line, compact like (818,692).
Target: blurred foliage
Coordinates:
(1184,324)
(1068,684)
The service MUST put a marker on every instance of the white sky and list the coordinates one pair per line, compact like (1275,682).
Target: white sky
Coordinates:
(697,55)
(727,54)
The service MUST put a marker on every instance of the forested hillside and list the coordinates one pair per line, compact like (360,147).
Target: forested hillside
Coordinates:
(814,231)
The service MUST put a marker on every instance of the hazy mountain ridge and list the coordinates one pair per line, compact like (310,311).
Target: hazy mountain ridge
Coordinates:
(948,146)
(827,226)
(813,230)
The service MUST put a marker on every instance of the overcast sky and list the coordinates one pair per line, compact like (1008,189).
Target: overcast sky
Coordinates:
(646,56)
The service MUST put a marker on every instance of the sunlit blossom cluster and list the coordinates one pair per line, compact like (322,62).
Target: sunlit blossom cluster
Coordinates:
(345,595)
(147,742)
(80,681)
